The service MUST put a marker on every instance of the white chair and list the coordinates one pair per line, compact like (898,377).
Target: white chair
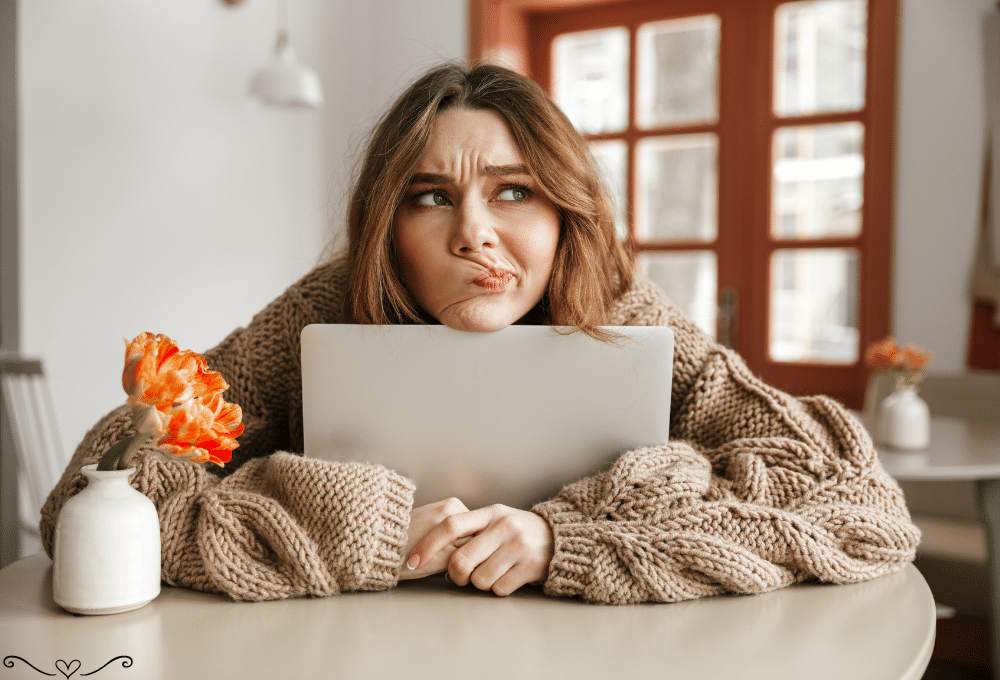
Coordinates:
(28,413)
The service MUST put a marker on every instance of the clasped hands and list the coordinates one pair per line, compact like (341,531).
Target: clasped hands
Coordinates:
(496,548)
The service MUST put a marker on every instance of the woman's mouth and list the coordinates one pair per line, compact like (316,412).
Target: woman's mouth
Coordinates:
(493,280)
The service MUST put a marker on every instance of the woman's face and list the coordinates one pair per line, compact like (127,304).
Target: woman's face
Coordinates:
(475,236)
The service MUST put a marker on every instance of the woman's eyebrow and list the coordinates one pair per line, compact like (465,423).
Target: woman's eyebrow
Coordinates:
(505,170)
(495,170)
(429,178)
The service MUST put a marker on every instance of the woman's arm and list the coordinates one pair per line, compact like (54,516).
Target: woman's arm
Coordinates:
(756,490)
(754,514)
(280,526)
(276,525)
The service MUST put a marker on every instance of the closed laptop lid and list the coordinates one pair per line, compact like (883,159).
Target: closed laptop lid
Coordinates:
(506,417)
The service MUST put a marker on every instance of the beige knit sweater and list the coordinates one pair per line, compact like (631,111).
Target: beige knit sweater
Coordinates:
(756,490)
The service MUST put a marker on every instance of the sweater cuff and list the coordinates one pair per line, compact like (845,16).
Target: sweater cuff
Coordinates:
(390,534)
(572,565)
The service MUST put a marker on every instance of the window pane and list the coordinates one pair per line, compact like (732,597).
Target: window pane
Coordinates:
(814,305)
(689,279)
(818,179)
(590,78)
(820,56)
(612,162)
(678,71)
(678,183)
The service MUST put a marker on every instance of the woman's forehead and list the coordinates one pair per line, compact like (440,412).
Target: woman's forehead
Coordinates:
(469,138)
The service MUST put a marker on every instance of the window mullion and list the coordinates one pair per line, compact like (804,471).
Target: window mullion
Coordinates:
(632,184)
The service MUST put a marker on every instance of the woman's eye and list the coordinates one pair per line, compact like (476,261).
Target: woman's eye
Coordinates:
(431,199)
(516,194)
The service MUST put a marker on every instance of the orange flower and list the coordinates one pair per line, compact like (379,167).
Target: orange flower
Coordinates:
(204,430)
(915,359)
(883,354)
(158,374)
(176,398)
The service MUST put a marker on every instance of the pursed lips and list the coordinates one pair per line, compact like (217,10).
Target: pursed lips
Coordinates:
(494,280)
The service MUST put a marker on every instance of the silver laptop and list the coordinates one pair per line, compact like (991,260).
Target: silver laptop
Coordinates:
(507,417)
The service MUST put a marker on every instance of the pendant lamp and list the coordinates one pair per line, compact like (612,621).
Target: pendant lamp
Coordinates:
(286,81)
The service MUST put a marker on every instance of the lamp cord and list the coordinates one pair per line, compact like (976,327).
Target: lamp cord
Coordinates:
(281,9)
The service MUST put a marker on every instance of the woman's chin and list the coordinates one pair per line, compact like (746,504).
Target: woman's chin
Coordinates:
(479,318)
(483,326)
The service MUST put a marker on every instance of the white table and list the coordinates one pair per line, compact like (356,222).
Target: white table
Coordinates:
(433,629)
(960,450)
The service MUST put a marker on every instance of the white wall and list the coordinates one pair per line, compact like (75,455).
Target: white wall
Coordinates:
(941,123)
(155,197)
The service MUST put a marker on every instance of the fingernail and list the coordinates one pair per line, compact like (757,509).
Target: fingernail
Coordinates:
(413,562)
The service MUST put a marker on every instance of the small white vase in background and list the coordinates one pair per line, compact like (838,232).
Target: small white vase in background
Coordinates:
(904,421)
(106,557)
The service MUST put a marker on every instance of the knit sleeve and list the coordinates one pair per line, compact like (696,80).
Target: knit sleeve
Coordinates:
(755,491)
(280,526)
(273,524)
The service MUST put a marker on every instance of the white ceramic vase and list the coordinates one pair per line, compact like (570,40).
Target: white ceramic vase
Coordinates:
(904,421)
(107,547)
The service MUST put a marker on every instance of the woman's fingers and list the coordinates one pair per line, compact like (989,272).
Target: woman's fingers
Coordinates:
(437,564)
(489,574)
(446,532)
(526,549)
(511,580)
(424,519)
(479,561)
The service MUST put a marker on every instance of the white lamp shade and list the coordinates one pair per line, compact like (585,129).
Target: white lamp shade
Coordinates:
(286,81)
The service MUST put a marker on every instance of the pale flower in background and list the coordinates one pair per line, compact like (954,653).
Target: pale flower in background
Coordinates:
(907,362)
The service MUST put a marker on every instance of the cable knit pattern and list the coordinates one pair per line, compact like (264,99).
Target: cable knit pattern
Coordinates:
(755,491)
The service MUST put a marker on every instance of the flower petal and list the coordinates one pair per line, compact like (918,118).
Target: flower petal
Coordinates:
(883,354)
(914,358)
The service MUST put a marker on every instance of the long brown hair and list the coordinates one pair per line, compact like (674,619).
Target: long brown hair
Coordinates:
(592,267)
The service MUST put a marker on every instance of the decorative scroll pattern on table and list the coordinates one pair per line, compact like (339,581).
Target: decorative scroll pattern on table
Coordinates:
(66,668)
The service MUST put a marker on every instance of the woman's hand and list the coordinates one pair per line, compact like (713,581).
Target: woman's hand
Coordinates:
(506,548)
(422,520)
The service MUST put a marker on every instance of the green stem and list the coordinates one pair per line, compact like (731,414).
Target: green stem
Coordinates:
(138,439)
(120,455)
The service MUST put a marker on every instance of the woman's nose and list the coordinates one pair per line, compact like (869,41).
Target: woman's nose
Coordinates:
(473,229)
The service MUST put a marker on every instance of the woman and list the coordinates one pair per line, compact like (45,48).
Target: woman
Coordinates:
(477,207)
